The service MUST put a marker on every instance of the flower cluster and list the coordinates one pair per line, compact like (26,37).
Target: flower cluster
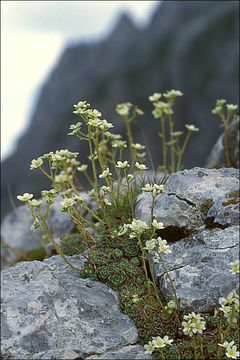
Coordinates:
(137,227)
(159,246)
(231,349)
(157,343)
(153,188)
(230,306)
(219,107)
(194,324)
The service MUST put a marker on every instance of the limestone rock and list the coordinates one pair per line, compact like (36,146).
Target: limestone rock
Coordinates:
(127,352)
(195,202)
(48,311)
(188,196)
(199,266)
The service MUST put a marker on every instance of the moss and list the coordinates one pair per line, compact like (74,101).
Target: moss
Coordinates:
(206,205)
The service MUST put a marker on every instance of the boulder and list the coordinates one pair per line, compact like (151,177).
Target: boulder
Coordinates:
(127,352)
(200,211)
(188,196)
(199,267)
(48,311)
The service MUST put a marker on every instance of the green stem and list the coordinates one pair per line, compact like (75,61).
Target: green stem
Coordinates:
(181,151)
(171,125)
(164,147)
(91,154)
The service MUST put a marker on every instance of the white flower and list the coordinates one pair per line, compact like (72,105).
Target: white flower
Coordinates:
(232,352)
(35,203)
(140,166)
(231,107)
(105,125)
(159,188)
(167,340)
(155,97)
(120,144)
(235,267)
(149,348)
(138,146)
(105,173)
(191,128)
(123,109)
(226,344)
(94,113)
(150,244)
(148,188)
(106,189)
(158,225)
(94,122)
(231,349)
(67,203)
(198,326)
(163,246)
(61,178)
(36,163)
(25,197)
(195,324)
(79,199)
(172,94)
(122,164)
(75,128)
(82,168)
(138,226)
(158,342)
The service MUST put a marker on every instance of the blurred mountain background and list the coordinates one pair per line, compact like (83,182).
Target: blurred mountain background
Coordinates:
(188,45)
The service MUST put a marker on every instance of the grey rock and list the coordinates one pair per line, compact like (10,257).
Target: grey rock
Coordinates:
(48,311)
(224,212)
(127,352)
(199,267)
(188,196)
(217,157)
(17,235)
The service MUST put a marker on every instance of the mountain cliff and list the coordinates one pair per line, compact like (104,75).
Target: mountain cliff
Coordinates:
(188,45)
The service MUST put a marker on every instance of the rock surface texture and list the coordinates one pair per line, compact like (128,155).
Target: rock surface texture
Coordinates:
(49,312)
(200,210)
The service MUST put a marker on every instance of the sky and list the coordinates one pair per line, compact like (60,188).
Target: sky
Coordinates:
(33,35)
